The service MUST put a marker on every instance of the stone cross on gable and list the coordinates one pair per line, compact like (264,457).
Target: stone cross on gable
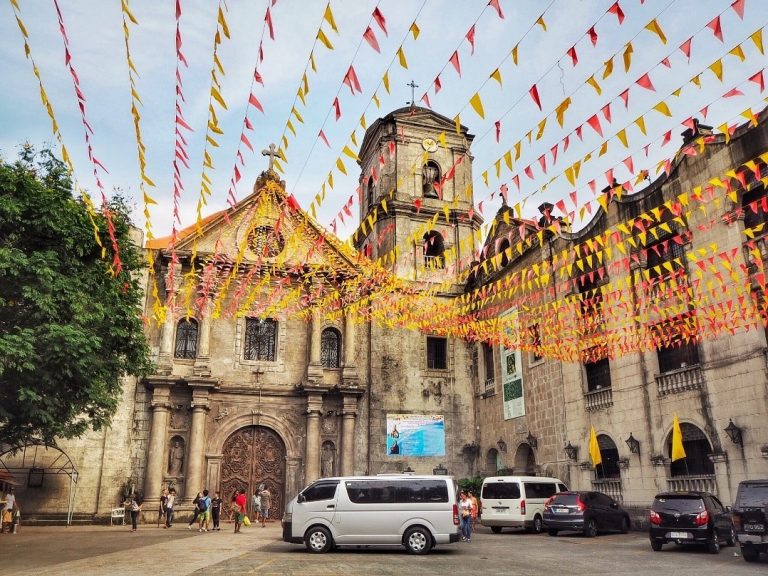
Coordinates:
(272,153)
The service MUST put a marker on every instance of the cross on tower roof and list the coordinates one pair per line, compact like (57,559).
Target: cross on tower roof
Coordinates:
(413,86)
(272,153)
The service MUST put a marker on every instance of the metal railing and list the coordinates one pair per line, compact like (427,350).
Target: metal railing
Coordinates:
(597,399)
(434,262)
(610,487)
(680,380)
(703,483)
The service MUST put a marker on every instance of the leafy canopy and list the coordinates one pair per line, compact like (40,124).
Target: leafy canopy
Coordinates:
(69,328)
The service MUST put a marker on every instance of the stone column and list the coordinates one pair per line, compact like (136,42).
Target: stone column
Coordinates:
(349,416)
(202,367)
(194,471)
(349,340)
(315,368)
(312,456)
(156,464)
(172,285)
(720,460)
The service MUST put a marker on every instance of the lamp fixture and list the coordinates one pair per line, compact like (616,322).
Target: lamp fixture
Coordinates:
(734,432)
(571,451)
(502,445)
(533,442)
(633,444)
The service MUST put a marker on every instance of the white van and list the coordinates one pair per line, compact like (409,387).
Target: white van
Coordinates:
(516,501)
(417,512)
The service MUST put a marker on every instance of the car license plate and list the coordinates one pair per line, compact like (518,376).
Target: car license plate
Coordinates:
(500,508)
(679,535)
(754,527)
(560,510)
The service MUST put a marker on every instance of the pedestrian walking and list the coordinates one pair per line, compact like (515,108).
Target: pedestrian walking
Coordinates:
(255,506)
(161,509)
(266,503)
(169,503)
(240,503)
(216,503)
(196,513)
(475,508)
(232,505)
(465,517)
(8,512)
(135,508)
(204,505)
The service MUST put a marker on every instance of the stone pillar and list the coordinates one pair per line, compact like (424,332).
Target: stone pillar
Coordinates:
(153,480)
(349,340)
(312,456)
(194,471)
(720,460)
(292,485)
(349,416)
(202,362)
(315,368)
(172,285)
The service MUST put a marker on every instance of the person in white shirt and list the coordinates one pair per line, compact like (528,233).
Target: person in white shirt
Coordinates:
(465,516)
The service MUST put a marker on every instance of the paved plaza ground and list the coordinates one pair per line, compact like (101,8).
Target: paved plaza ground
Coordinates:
(97,550)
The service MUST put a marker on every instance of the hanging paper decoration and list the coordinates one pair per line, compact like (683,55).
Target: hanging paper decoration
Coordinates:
(370,37)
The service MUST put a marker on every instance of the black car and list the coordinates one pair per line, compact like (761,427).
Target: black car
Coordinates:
(587,512)
(690,518)
(750,518)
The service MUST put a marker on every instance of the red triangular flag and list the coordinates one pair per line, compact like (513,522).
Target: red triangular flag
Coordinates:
(606,110)
(616,9)
(534,92)
(379,17)
(253,101)
(370,37)
(592,35)
(686,47)
(497,124)
(268,20)
(471,39)
(738,7)
(666,63)
(337,108)
(758,79)
(455,61)
(732,93)
(574,57)
(629,164)
(714,25)
(322,135)
(425,99)
(594,121)
(645,82)
(350,79)
(438,85)
(257,77)
(495,5)
(625,97)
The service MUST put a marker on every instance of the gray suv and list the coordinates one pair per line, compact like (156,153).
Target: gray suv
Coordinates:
(750,518)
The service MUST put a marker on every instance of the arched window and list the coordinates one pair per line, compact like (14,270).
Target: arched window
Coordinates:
(503,247)
(697,451)
(370,192)
(610,456)
(186,339)
(330,348)
(260,339)
(434,249)
(525,460)
(430,173)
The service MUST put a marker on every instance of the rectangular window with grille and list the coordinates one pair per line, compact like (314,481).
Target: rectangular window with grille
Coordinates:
(260,339)
(437,353)
(598,375)
(675,349)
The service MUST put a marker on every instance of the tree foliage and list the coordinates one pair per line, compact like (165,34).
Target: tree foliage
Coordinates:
(69,328)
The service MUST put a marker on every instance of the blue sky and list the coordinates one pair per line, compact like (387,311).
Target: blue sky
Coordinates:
(98,53)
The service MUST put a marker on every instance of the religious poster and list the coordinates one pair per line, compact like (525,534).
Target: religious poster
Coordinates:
(511,369)
(415,435)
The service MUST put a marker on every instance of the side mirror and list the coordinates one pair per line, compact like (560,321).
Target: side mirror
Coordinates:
(614,505)
(728,509)
(301,498)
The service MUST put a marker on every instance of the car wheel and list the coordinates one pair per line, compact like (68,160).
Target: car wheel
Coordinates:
(624,525)
(750,553)
(590,528)
(496,529)
(417,540)
(656,545)
(731,541)
(318,540)
(552,532)
(713,546)
(538,525)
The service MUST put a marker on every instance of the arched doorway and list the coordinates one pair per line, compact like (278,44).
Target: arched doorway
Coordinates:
(525,460)
(251,456)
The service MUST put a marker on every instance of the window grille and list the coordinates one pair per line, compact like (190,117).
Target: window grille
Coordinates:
(260,339)
(330,348)
(437,353)
(186,339)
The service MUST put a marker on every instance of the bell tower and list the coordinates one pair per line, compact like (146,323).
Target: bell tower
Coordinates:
(416,200)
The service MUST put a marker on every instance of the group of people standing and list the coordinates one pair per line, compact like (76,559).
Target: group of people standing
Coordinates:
(11,513)
(468,508)
(261,501)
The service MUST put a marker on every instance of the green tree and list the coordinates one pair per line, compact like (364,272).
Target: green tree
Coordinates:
(69,328)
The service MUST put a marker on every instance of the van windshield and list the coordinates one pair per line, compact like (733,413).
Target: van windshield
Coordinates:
(501,491)
(753,495)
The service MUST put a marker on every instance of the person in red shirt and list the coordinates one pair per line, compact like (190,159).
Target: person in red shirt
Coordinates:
(239,509)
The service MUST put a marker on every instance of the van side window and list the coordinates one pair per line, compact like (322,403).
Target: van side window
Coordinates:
(501,490)
(421,491)
(320,491)
(371,492)
(539,489)
(562,488)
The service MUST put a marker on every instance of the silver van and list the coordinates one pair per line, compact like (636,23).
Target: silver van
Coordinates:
(417,512)
(516,501)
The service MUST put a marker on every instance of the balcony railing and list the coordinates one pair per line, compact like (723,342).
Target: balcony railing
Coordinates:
(704,483)
(434,262)
(609,486)
(490,386)
(598,399)
(680,380)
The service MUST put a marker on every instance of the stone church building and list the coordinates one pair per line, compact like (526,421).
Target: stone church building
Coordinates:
(247,391)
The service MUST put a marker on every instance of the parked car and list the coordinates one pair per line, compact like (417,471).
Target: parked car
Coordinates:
(750,518)
(690,518)
(417,512)
(587,512)
(516,501)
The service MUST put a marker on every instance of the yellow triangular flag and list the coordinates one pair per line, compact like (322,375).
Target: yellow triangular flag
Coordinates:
(594,448)
(349,152)
(608,67)
(592,82)
(663,108)
(324,39)
(496,75)
(641,124)
(622,136)
(514,54)
(738,52)
(628,56)
(541,22)
(340,166)
(560,110)
(376,100)
(724,129)
(717,69)
(477,105)
(757,38)
(415,30)
(401,57)
(678,452)
(385,81)
(654,27)
(328,17)
(223,23)
(457,121)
